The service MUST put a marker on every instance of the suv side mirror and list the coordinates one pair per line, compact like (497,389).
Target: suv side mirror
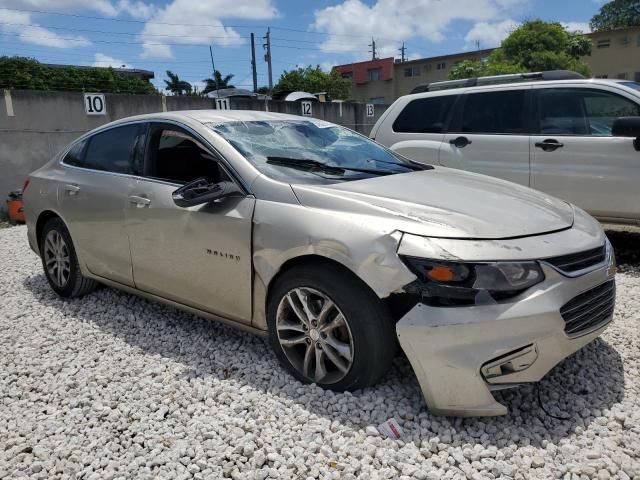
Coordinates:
(627,127)
(200,191)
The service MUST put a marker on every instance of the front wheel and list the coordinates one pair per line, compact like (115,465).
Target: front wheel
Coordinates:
(328,328)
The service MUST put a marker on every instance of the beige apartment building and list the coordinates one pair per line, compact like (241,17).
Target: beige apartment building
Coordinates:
(615,54)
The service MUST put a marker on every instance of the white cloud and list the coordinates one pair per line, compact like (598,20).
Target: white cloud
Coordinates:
(102,6)
(102,60)
(20,25)
(138,9)
(157,33)
(490,34)
(392,21)
(577,27)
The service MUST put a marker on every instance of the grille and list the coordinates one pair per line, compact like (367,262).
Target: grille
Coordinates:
(579,261)
(590,309)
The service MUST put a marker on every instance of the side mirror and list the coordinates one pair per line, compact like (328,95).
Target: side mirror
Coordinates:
(200,191)
(627,127)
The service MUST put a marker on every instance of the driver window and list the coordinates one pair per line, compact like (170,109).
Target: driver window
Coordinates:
(175,156)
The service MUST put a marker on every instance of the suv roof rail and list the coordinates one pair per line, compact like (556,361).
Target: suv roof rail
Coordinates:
(498,79)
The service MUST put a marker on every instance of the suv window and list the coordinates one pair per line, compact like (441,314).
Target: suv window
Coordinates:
(75,155)
(499,112)
(114,150)
(176,156)
(572,111)
(425,115)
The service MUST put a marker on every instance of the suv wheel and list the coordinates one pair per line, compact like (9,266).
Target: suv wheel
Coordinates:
(330,329)
(60,262)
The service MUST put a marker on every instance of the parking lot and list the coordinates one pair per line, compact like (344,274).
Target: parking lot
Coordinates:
(114,386)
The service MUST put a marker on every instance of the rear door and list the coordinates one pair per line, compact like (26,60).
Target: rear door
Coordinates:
(418,130)
(574,156)
(198,256)
(93,198)
(489,134)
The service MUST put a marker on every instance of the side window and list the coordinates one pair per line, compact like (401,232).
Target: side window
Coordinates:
(425,115)
(75,155)
(565,111)
(500,112)
(176,156)
(114,150)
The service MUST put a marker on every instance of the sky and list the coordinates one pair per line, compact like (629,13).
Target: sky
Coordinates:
(176,34)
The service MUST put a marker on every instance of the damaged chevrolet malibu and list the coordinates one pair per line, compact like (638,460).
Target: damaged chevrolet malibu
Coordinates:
(334,247)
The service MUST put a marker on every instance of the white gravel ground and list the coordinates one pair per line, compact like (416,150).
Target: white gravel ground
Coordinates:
(112,386)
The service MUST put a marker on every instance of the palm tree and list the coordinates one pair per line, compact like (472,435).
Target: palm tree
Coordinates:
(177,86)
(217,82)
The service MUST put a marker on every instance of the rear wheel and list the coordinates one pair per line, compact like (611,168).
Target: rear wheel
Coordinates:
(328,328)
(60,262)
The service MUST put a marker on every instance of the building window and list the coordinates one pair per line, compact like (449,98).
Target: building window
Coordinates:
(412,72)
(637,77)
(603,43)
(348,75)
(441,66)
(377,100)
(427,67)
(373,74)
(622,76)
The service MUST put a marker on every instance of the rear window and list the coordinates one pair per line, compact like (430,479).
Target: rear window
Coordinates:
(494,112)
(113,150)
(75,155)
(424,115)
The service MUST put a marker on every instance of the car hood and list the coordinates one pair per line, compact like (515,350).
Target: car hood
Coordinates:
(444,203)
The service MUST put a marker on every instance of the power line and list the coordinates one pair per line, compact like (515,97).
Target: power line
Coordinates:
(123,20)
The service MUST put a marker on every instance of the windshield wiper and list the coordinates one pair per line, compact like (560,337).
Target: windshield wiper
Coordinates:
(410,164)
(314,165)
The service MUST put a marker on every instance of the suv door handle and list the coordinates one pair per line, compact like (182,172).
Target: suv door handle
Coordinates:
(139,201)
(71,189)
(460,142)
(549,145)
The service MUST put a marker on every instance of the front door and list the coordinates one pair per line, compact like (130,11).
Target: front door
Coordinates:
(574,156)
(489,135)
(198,256)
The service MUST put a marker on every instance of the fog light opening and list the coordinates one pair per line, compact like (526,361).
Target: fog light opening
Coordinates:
(512,362)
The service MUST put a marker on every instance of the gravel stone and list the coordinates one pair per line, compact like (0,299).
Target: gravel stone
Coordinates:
(111,386)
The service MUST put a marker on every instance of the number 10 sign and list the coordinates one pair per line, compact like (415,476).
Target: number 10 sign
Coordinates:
(94,104)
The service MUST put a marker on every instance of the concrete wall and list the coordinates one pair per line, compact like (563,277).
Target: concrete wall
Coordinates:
(34,125)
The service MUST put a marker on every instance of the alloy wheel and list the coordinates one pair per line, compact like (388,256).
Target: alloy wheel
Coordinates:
(314,335)
(56,258)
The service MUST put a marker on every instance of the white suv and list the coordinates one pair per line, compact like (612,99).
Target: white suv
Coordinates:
(563,137)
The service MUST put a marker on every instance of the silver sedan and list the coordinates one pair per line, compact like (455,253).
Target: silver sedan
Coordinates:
(334,247)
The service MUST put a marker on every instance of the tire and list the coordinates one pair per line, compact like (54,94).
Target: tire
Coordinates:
(70,283)
(356,352)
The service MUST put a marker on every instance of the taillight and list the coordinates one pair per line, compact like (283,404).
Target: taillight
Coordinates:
(26,184)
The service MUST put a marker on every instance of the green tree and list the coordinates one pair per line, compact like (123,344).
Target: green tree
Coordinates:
(177,86)
(534,46)
(314,80)
(218,81)
(29,74)
(617,14)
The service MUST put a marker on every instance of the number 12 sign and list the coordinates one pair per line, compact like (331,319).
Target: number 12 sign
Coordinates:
(94,104)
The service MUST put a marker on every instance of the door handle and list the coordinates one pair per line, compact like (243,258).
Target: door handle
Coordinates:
(460,142)
(71,189)
(549,145)
(139,201)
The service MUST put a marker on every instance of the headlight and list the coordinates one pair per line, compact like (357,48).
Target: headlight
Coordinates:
(452,283)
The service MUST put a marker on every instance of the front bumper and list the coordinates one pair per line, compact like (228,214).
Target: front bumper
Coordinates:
(448,346)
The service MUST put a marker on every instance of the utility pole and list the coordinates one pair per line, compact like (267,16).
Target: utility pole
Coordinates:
(213,65)
(253,64)
(267,56)
(373,49)
(402,50)
(478,44)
